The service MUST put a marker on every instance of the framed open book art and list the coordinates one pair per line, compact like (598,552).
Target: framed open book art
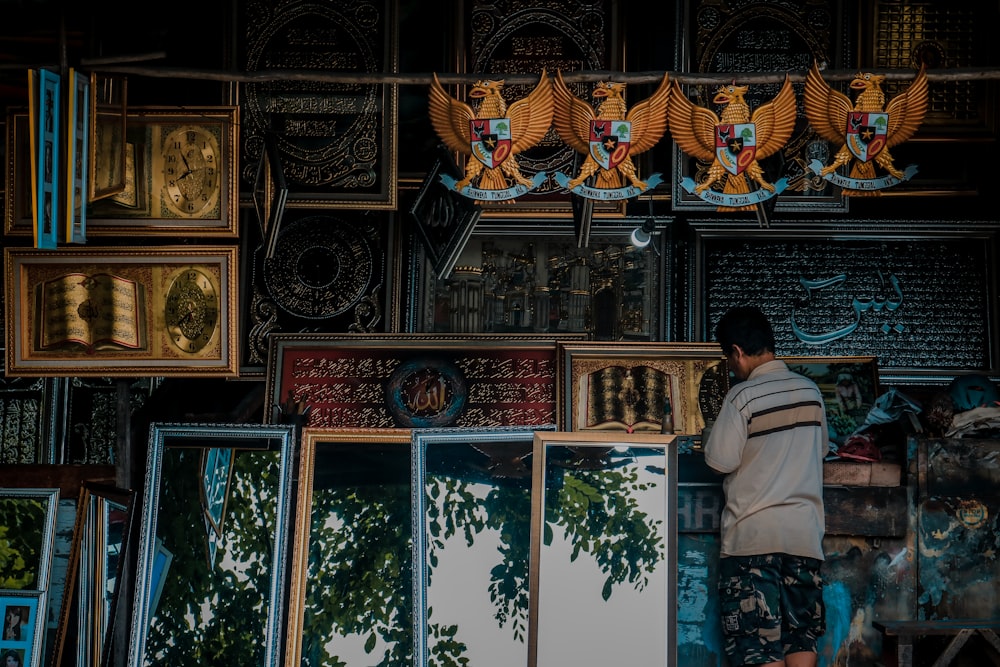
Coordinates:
(627,386)
(133,312)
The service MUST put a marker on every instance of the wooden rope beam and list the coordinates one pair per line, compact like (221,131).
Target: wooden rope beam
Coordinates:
(582,76)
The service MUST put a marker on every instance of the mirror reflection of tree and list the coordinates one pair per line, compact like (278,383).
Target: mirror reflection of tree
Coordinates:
(358,602)
(593,495)
(22,533)
(215,614)
(465,507)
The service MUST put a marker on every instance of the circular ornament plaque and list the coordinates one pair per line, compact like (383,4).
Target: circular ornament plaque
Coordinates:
(321,267)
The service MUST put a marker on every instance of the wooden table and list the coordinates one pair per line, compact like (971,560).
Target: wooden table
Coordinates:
(906,631)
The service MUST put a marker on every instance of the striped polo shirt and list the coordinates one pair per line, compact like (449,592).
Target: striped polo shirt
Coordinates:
(770,438)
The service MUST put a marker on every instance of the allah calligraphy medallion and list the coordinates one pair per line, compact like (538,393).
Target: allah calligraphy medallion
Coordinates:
(425,393)
(320,268)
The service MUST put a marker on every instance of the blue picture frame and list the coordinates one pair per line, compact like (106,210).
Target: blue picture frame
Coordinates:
(44,113)
(22,633)
(173,570)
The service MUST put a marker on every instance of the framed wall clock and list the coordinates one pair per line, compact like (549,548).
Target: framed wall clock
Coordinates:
(181,175)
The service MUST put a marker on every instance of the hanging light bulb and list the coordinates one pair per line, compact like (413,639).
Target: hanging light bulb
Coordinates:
(642,235)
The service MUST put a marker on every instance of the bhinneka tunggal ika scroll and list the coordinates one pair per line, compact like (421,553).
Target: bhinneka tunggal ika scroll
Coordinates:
(97,311)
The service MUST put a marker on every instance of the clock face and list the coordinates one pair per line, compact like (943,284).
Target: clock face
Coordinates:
(191,172)
(191,310)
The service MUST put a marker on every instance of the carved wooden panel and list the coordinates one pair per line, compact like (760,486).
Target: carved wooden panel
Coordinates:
(522,37)
(328,273)
(961,114)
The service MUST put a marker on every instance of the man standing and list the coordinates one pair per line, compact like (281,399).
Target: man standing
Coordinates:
(769,439)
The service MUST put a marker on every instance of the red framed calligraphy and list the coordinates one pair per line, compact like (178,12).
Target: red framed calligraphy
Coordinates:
(413,381)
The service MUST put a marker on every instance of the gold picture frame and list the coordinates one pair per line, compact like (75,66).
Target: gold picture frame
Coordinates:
(77,156)
(18,217)
(181,175)
(122,311)
(593,492)
(624,386)
(360,481)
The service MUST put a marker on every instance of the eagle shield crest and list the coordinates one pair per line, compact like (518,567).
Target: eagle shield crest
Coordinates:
(736,146)
(866,134)
(490,140)
(609,142)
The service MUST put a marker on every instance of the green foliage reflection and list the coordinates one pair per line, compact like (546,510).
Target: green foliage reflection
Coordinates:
(22,534)
(215,614)
(599,511)
(460,507)
(596,505)
(359,574)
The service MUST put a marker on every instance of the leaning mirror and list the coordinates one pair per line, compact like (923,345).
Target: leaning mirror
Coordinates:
(603,545)
(212,545)
(471,528)
(90,597)
(350,596)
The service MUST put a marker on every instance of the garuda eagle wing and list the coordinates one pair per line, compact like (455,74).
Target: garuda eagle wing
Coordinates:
(649,119)
(774,121)
(826,108)
(906,111)
(571,117)
(531,116)
(450,118)
(692,126)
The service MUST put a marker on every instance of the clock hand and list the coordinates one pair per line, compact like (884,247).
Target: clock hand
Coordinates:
(187,167)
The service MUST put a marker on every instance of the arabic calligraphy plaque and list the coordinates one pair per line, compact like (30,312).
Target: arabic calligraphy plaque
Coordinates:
(914,304)
(403,380)
(26,404)
(336,141)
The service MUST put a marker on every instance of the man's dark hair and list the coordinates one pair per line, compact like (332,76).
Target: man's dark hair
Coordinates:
(746,326)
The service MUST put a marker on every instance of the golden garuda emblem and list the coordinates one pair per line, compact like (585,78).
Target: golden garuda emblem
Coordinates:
(492,136)
(609,136)
(733,143)
(865,130)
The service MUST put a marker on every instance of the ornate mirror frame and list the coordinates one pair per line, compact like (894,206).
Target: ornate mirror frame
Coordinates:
(184,559)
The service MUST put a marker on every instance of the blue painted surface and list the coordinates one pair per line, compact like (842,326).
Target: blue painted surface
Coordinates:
(865,579)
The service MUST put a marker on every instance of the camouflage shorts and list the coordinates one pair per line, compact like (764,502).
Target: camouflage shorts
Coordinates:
(772,605)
